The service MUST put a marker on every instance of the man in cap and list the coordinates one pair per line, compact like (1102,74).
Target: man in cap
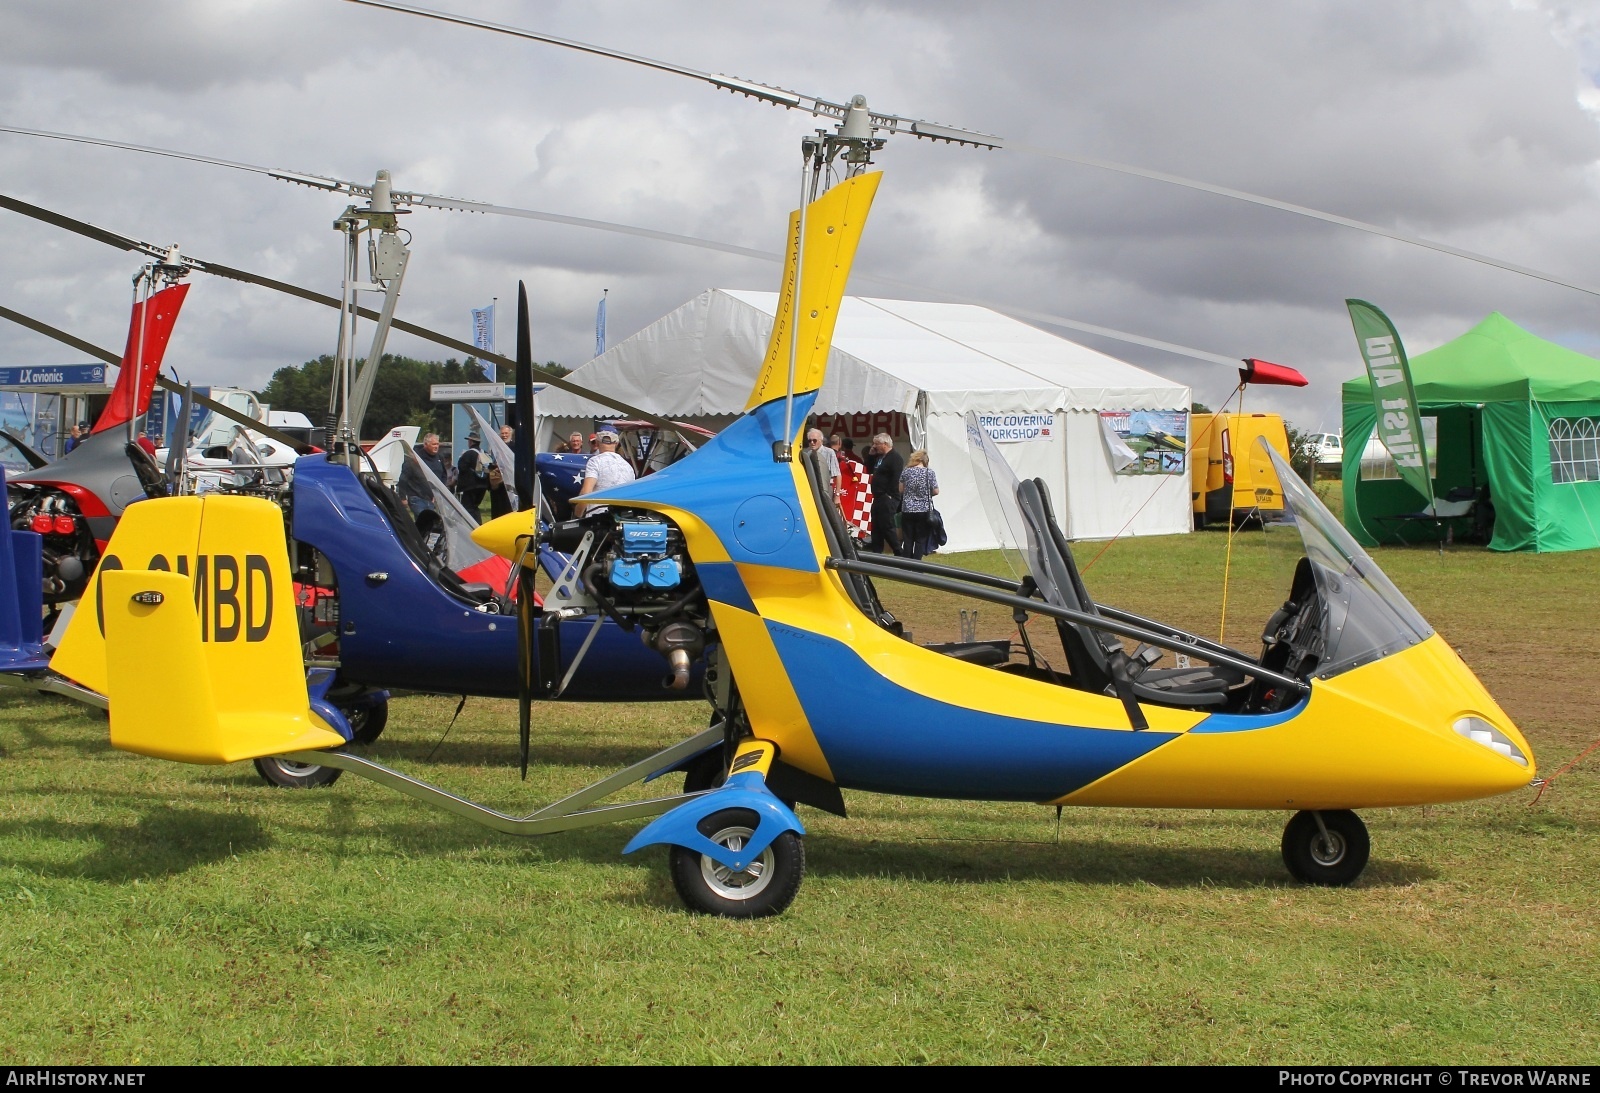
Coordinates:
(605,470)
(472,474)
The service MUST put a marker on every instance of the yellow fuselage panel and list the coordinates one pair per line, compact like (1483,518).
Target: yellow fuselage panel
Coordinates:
(1376,735)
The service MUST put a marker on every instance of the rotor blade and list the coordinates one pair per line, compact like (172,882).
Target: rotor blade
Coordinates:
(400,197)
(60,335)
(81,227)
(318,181)
(219,270)
(1302,210)
(925,129)
(461,205)
(778,96)
(113,358)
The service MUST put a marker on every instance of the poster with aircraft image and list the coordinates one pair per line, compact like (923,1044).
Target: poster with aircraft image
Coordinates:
(1146,441)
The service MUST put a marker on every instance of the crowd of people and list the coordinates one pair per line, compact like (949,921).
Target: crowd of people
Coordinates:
(473,477)
(885,501)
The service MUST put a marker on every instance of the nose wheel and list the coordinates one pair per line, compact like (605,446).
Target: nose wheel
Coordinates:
(1329,847)
(287,774)
(764,887)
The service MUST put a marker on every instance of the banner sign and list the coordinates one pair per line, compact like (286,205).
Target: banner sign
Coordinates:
(467,392)
(1146,441)
(54,376)
(600,328)
(1013,428)
(1393,397)
(483,336)
(163,408)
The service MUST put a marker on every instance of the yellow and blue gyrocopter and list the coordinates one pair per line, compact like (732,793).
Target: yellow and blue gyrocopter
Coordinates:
(736,553)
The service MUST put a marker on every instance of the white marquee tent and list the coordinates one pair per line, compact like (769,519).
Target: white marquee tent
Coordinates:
(933,363)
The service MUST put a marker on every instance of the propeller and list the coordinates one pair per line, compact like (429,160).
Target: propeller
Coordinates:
(853,115)
(527,615)
(524,469)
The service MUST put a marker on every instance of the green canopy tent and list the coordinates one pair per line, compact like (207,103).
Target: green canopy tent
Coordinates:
(1517,423)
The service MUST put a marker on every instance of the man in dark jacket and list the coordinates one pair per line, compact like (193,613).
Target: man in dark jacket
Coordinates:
(414,488)
(885,494)
(472,475)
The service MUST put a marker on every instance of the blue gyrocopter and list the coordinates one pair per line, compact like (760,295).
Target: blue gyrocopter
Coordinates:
(382,604)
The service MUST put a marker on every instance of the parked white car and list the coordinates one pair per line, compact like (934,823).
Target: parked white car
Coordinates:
(1330,447)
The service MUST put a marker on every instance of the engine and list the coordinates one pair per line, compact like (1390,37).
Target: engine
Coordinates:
(69,548)
(646,559)
(639,573)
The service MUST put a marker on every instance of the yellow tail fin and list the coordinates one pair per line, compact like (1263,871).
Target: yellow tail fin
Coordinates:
(834,223)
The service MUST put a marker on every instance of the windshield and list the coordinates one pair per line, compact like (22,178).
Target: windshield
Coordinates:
(997,489)
(501,456)
(450,538)
(1366,616)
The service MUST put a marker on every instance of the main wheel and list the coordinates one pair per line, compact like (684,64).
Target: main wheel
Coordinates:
(765,887)
(367,722)
(288,774)
(1332,859)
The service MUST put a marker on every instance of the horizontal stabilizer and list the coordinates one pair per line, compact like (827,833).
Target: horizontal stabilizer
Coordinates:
(189,629)
(167,705)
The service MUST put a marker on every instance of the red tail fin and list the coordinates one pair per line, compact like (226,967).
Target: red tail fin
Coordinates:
(125,402)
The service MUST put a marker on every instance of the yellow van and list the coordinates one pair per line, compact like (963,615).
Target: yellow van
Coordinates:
(1222,489)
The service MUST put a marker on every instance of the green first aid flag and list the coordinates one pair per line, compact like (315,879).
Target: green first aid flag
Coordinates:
(1399,426)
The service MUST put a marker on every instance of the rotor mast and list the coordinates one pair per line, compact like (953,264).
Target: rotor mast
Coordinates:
(387,254)
(852,144)
(165,271)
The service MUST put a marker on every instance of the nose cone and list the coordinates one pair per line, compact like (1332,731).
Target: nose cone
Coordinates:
(507,535)
(1434,733)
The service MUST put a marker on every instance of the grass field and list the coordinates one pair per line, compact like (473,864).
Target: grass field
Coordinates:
(154,913)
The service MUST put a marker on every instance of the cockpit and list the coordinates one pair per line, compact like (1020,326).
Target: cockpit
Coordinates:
(1341,611)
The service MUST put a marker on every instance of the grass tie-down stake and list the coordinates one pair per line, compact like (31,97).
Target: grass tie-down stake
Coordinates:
(1544,783)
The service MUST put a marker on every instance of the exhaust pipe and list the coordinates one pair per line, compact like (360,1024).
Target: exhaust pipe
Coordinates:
(680,642)
(679,679)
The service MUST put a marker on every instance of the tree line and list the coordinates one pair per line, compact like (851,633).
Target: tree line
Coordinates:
(399,397)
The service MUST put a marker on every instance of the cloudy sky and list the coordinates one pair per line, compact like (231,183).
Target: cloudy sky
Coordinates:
(1474,122)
